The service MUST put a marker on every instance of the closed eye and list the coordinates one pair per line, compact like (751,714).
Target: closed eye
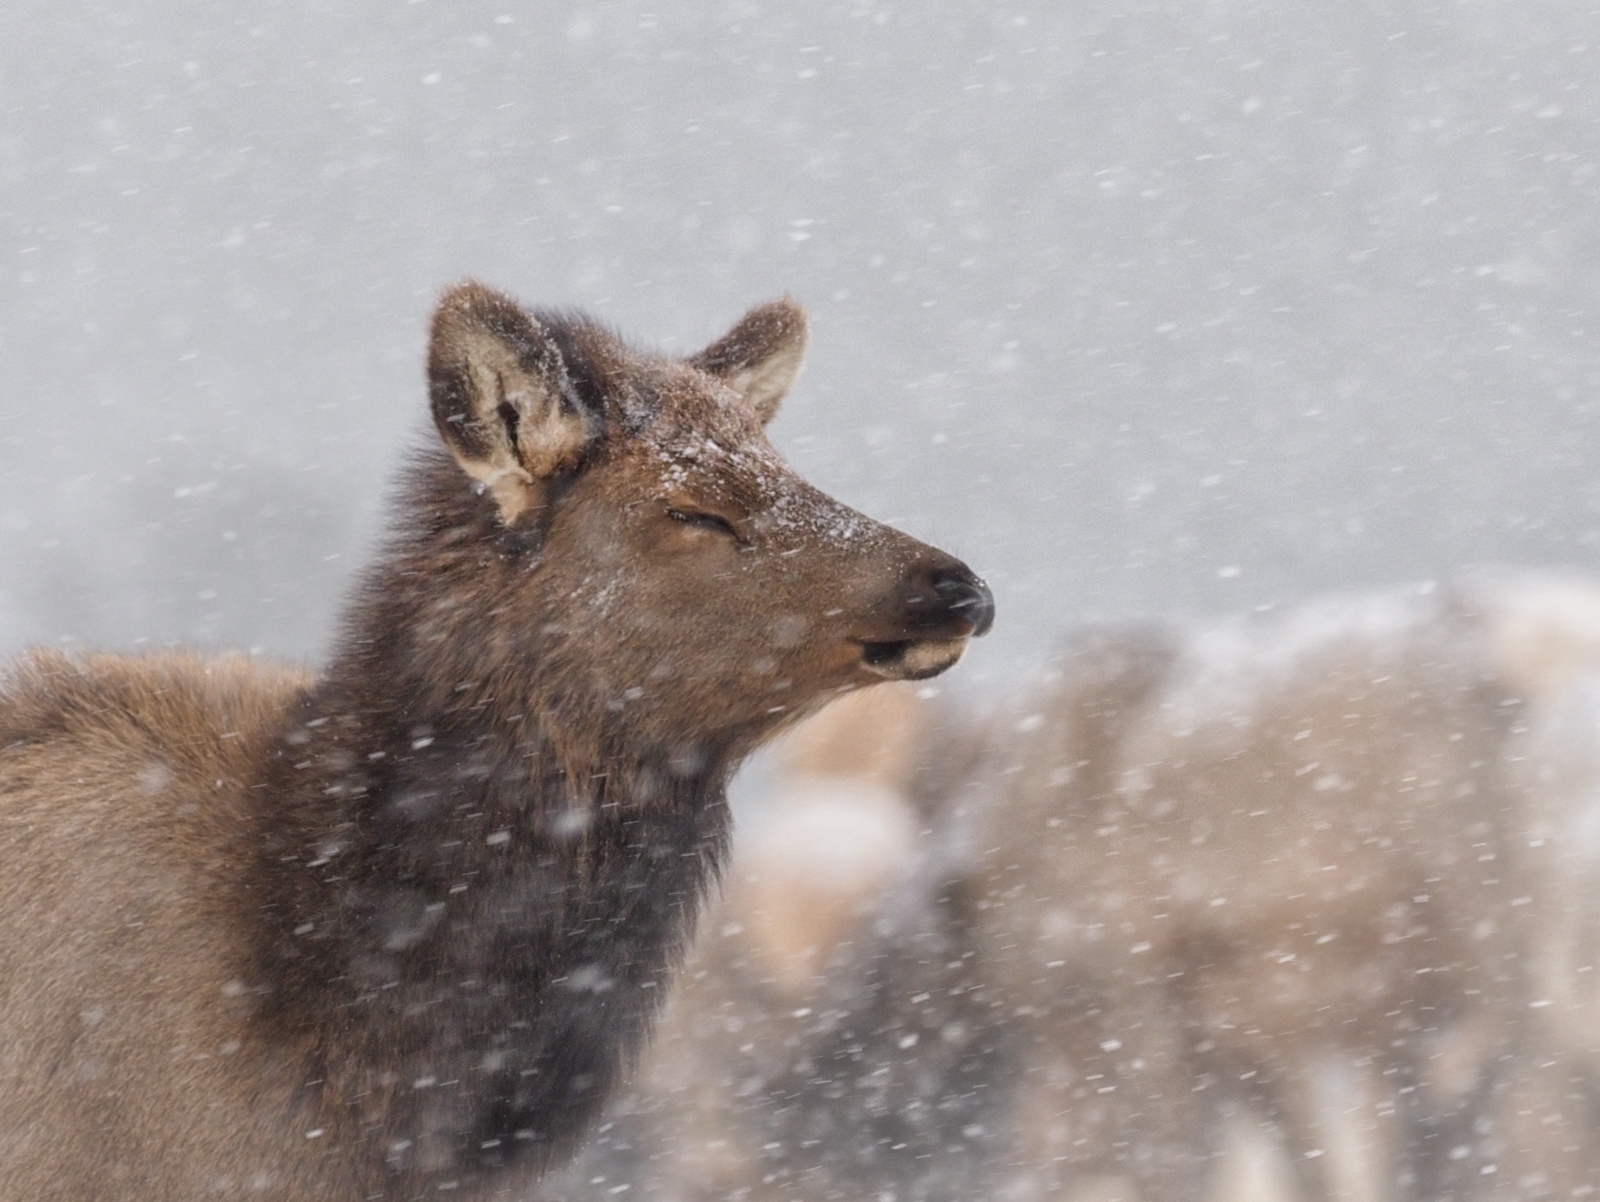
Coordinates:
(704,521)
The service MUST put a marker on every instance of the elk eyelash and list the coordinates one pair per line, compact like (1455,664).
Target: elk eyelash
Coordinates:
(705,521)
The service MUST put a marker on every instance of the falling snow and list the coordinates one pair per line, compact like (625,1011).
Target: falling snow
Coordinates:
(1213,314)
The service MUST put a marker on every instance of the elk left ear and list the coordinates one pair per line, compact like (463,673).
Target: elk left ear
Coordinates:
(760,357)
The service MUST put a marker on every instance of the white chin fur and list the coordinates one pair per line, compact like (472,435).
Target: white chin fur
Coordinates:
(920,660)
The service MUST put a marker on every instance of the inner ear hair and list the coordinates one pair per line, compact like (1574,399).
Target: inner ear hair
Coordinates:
(761,356)
(502,399)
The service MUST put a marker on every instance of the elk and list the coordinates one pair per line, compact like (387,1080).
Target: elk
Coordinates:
(398,929)
(1263,865)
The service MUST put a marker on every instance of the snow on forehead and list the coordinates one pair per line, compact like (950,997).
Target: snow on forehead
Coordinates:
(683,398)
(687,451)
(1230,667)
(701,419)
(689,454)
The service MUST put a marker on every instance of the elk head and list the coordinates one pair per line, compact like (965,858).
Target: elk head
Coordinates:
(652,547)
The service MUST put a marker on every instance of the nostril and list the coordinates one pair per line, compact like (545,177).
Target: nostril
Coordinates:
(967,596)
(944,600)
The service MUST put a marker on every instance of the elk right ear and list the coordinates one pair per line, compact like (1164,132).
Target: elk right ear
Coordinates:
(760,357)
(502,398)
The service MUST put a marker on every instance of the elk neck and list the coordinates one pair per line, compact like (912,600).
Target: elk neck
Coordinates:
(457,837)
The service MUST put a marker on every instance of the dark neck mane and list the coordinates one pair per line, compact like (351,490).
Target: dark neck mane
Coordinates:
(476,883)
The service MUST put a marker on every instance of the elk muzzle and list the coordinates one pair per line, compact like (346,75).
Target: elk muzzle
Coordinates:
(942,605)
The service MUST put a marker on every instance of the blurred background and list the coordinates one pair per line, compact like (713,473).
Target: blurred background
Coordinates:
(1142,308)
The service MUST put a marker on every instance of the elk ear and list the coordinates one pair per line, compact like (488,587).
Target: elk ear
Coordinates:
(760,357)
(502,398)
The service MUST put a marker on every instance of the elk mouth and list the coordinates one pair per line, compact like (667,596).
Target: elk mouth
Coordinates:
(911,659)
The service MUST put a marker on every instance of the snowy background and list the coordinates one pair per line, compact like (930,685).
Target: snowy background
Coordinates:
(1140,307)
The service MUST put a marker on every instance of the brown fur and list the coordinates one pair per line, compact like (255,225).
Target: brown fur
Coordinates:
(105,901)
(400,929)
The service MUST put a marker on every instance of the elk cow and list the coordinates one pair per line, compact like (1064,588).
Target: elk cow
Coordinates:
(1260,863)
(394,931)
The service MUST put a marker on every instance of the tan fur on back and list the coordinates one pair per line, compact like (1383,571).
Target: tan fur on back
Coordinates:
(120,819)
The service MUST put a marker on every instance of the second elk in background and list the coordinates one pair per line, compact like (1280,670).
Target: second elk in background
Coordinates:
(1266,874)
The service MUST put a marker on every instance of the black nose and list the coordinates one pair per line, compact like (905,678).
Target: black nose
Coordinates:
(967,597)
